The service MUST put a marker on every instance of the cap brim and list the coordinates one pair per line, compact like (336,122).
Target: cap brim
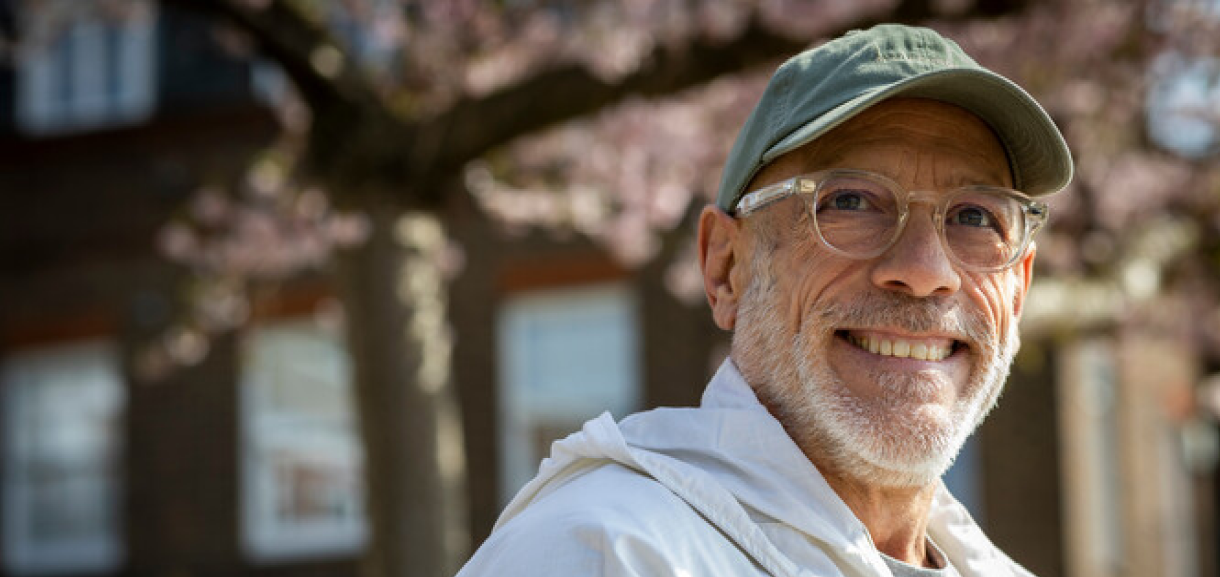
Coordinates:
(1036,150)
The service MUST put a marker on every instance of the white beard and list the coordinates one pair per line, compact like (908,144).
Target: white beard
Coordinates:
(879,441)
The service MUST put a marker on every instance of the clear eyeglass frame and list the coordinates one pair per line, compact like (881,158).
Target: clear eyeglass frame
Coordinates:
(1035,213)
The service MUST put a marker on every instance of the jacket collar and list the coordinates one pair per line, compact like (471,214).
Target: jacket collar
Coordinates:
(736,439)
(798,484)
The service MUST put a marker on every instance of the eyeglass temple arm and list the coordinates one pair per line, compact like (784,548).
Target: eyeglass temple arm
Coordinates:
(764,196)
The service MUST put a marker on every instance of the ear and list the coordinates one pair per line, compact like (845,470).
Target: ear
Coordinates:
(718,234)
(1024,269)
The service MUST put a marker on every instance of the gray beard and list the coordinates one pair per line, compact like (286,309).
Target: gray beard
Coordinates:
(880,441)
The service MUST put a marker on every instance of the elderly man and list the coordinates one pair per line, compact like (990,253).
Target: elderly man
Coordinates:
(871,248)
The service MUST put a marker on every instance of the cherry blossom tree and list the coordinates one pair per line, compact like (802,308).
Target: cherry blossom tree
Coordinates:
(397,107)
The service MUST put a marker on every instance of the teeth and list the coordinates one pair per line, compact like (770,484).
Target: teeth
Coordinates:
(902,349)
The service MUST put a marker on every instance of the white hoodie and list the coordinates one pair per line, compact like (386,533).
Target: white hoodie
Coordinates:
(715,490)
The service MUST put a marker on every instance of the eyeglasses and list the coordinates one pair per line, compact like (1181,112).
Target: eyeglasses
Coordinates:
(859,214)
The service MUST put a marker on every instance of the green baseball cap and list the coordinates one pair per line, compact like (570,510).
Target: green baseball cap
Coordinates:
(823,87)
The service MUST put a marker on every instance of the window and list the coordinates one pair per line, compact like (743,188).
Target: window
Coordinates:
(303,465)
(565,357)
(62,407)
(1089,404)
(84,69)
(1184,94)
(964,479)
(1183,83)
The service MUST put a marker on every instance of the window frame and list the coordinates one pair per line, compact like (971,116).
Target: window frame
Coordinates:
(94,73)
(522,410)
(25,554)
(264,538)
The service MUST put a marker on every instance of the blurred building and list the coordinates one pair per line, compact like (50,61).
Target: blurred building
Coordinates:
(247,462)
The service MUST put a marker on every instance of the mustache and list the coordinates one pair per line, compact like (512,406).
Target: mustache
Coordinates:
(911,314)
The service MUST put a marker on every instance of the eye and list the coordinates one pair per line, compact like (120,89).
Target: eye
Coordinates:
(971,216)
(848,200)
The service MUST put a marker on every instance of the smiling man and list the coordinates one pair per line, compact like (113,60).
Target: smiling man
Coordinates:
(871,248)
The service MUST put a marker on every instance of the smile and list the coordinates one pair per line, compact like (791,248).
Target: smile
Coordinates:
(935,349)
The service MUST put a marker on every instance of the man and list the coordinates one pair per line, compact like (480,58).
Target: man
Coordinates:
(871,248)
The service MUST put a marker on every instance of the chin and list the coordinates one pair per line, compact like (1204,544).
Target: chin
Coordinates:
(913,449)
(891,441)
(882,443)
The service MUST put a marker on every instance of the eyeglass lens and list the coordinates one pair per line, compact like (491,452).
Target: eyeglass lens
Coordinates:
(860,217)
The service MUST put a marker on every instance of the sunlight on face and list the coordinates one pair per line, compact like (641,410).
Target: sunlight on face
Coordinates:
(814,329)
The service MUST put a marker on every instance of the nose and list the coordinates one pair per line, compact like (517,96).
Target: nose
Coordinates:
(917,265)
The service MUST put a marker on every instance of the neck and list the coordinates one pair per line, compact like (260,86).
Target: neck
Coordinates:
(896,517)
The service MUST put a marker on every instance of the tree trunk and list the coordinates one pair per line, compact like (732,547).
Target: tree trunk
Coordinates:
(415,465)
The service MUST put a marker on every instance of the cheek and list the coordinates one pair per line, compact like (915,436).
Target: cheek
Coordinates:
(995,294)
(816,279)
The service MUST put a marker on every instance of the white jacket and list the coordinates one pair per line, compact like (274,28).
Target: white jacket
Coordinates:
(718,490)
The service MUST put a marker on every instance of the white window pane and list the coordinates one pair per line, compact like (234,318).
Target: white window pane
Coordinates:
(62,409)
(303,484)
(90,69)
(565,357)
(136,69)
(38,90)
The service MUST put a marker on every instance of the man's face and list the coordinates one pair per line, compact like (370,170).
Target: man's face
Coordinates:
(808,317)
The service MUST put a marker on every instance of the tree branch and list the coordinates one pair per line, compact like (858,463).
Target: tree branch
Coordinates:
(472,127)
(358,143)
(322,71)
